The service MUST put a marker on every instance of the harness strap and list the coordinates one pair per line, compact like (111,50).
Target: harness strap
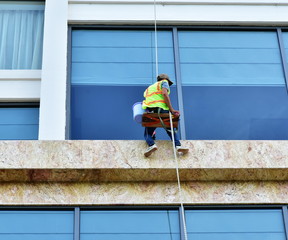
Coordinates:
(163,125)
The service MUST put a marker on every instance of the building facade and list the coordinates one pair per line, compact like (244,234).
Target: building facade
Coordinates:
(71,156)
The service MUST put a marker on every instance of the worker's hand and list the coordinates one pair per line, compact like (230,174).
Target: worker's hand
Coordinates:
(175,112)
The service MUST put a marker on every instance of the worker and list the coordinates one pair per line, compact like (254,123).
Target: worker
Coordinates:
(157,100)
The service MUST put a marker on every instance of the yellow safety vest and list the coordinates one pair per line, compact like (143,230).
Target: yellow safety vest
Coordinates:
(154,97)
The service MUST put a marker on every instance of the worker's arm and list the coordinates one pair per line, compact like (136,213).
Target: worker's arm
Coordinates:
(168,102)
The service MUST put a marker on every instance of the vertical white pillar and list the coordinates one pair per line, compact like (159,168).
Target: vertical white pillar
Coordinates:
(54,72)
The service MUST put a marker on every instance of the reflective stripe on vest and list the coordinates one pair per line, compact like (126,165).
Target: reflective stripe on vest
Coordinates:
(154,97)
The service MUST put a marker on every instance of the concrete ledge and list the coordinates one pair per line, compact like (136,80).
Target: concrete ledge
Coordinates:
(149,193)
(116,173)
(123,161)
(140,175)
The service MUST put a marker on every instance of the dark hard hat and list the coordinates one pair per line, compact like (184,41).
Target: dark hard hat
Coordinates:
(164,76)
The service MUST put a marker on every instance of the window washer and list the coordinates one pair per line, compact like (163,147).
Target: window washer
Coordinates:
(157,100)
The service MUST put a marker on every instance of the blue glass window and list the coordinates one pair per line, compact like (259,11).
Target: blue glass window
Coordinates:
(233,85)
(19,123)
(130,225)
(110,71)
(220,224)
(21,35)
(35,225)
(232,82)
(235,224)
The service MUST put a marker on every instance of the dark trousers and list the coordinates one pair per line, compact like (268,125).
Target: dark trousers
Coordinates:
(148,132)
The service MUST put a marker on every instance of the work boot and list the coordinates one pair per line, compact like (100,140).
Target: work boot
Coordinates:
(182,150)
(150,150)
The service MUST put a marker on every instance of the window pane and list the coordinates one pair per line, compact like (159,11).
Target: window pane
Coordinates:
(19,123)
(235,224)
(110,72)
(233,85)
(130,225)
(21,36)
(109,57)
(35,225)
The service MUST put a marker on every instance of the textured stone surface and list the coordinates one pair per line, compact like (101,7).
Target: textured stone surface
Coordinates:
(116,173)
(141,175)
(129,154)
(148,193)
(124,161)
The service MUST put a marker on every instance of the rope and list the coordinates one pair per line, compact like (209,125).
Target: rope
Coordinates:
(178,178)
(172,129)
(156,39)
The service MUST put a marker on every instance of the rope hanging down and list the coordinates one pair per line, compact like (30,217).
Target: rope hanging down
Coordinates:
(156,39)
(178,179)
(172,129)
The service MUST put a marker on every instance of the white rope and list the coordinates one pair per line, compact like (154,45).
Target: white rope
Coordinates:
(172,130)
(156,38)
(178,178)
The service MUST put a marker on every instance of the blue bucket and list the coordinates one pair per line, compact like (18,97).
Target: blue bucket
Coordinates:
(137,112)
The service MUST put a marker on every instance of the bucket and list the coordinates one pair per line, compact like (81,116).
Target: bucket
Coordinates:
(137,112)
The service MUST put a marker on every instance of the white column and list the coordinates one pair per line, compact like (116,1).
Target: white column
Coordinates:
(52,120)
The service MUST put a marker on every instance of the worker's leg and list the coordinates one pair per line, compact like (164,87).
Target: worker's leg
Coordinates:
(148,135)
(176,137)
(179,148)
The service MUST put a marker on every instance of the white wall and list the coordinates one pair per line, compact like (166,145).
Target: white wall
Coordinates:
(52,121)
(238,12)
(20,85)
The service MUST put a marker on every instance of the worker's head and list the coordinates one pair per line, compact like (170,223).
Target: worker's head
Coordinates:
(164,77)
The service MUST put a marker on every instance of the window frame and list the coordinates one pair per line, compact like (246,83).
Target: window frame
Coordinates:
(77,211)
(174,29)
